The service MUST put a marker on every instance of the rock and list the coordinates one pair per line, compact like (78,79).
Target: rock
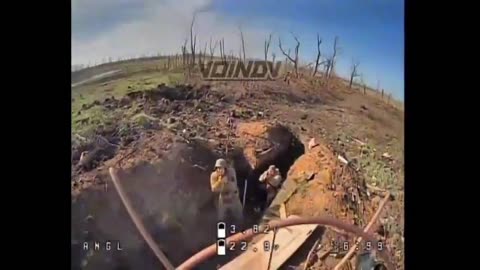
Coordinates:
(304,116)
(387,156)
(397,238)
(171,120)
(220,135)
(382,231)
(96,102)
(125,101)
(303,129)
(79,113)
(310,176)
(364,107)
(312,143)
(127,141)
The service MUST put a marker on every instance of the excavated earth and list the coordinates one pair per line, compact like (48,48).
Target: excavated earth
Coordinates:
(165,167)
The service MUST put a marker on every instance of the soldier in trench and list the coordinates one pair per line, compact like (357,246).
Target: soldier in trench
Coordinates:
(223,182)
(272,180)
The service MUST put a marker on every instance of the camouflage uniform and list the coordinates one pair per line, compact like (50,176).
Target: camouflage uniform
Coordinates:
(272,180)
(224,186)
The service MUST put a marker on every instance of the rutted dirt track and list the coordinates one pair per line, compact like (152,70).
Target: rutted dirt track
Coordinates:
(167,158)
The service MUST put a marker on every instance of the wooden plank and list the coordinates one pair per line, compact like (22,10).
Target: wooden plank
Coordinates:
(287,240)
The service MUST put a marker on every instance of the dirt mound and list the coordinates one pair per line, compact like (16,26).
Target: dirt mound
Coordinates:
(326,187)
(173,199)
(264,142)
(319,161)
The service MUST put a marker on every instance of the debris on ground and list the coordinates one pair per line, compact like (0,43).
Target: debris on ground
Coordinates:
(146,131)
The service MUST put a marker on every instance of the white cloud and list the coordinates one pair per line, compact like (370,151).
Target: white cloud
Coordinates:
(163,27)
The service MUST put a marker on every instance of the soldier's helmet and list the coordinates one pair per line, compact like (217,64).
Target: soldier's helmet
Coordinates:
(221,163)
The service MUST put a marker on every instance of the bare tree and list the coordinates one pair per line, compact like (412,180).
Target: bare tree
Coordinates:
(204,52)
(243,45)
(184,53)
(193,41)
(273,57)
(364,85)
(293,60)
(319,54)
(286,60)
(267,46)
(223,56)
(332,61)
(354,72)
(212,49)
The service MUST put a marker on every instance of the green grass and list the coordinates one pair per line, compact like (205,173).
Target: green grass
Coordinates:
(97,115)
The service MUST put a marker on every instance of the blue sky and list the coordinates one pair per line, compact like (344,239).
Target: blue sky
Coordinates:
(369,31)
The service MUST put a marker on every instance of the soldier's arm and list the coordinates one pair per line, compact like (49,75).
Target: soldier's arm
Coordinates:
(215,182)
(263,177)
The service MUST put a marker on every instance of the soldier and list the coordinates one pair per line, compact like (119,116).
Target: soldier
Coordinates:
(223,183)
(272,180)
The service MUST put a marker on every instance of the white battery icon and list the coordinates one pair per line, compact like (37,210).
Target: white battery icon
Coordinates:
(221,230)
(221,249)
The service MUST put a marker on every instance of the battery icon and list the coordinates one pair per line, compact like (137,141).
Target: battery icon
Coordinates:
(221,230)
(221,249)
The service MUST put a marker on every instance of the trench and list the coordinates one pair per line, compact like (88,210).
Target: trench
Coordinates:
(174,200)
(256,197)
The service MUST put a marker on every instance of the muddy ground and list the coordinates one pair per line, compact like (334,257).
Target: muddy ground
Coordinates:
(168,150)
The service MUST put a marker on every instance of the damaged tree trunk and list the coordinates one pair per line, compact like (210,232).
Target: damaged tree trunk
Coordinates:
(266,47)
(334,57)
(212,49)
(293,60)
(193,42)
(354,73)
(223,56)
(243,46)
(319,54)
(184,53)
